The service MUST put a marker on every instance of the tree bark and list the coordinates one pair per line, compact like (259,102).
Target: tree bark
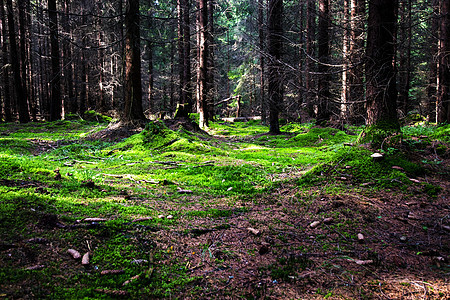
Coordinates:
(356,109)
(380,69)
(324,107)
(6,91)
(21,92)
(433,65)
(262,49)
(275,84)
(405,56)
(55,102)
(133,111)
(310,36)
(443,95)
(203,63)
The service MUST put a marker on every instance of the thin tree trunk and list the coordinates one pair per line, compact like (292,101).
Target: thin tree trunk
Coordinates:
(21,92)
(275,44)
(203,63)
(405,56)
(324,108)
(101,103)
(345,90)
(133,110)
(70,103)
(262,92)
(5,70)
(443,95)
(356,74)
(432,65)
(310,34)
(56,103)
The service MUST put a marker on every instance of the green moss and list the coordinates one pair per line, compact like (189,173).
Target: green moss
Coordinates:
(381,134)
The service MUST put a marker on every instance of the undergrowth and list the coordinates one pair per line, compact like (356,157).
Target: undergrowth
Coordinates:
(48,194)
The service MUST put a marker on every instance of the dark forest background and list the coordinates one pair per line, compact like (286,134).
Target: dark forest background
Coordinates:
(345,61)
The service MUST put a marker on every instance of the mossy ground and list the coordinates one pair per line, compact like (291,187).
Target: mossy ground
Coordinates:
(176,206)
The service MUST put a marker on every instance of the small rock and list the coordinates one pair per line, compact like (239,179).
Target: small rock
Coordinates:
(169,217)
(398,168)
(403,238)
(254,231)
(414,180)
(348,167)
(377,156)
(160,216)
(360,237)
(85,259)
(75,254)
(314,224)
(328,220)
(230,188)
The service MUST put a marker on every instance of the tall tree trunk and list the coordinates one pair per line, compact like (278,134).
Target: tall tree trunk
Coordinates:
(262,49)
(203,62)
(55,104)
(184,49)
(211,62)
(324,107)
(432,65)
(310,36)
(133,111)
(100,104)
(356,52)
(150,58)
(380,71)
(6,91)
(21,91)
(345,90)
(405,56)
(443,95)
(70,103)
(275,43)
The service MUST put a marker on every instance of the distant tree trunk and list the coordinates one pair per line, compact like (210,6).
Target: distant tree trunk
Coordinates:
(324,107)
(150,59)
(172,71)
(21,91)
(432,65)
(310,36)
(275,44)
(6,91)
(356,73)
(405,56)
(55,103)
(133,111)
(443,95)
(70,103)
(203,63)
(301,38)
(345,89)
(184,54)
(380,71)
(211,62)
(262,49)
(100,104)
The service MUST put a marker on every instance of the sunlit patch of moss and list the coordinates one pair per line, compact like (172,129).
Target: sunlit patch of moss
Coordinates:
(356,165)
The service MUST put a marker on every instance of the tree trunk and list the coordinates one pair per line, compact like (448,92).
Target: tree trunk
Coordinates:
(70,103)
(443,95)
(356,73)
(21,92)
(55,103)
(262,49)
(324,107)
(275,44)
(380,71)
(133,111)
(6,91)
(345,90)
(203,63)
(310,36)
(405,56)
(432,65)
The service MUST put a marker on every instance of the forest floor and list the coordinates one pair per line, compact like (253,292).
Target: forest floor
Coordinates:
(174,212)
